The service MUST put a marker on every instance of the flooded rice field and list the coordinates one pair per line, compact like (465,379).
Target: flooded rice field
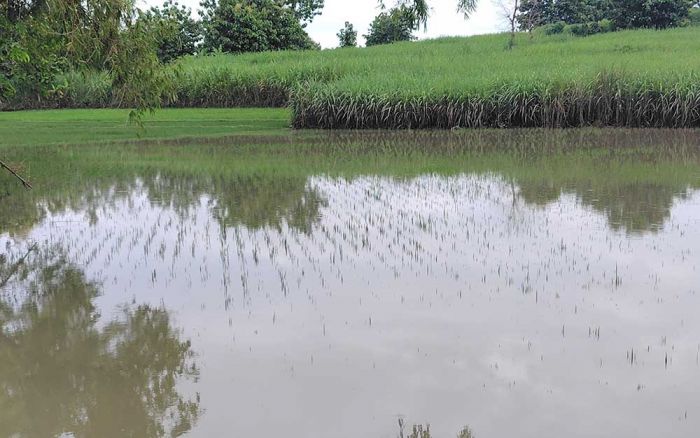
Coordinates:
(530,284)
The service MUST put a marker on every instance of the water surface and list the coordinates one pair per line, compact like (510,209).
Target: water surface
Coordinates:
(523,283)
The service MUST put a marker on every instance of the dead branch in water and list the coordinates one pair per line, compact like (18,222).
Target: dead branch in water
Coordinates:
(16,265)
(25,183)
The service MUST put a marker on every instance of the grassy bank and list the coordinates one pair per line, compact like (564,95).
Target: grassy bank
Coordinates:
(641,78)
(635,78)
(31,128)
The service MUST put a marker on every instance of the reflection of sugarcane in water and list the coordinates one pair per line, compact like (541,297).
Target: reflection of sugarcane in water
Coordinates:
(421,431)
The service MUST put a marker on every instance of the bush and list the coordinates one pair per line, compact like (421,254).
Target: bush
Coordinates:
(585,29)
(578,29)
(606,25)
(593,28)
(694,17)
(553,28)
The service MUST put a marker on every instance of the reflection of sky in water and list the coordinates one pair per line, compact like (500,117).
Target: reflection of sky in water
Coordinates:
(446,300)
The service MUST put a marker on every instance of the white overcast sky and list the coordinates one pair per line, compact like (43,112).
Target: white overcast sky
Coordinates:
(444,19)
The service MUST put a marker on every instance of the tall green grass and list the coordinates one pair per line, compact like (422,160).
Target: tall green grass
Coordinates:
(636,78)
(641,78)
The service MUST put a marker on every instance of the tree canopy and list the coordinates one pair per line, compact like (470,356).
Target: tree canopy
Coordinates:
(42,38)
(347,36)
(176,32)
(305,10)
(238,26)
(391,26)
(624,14)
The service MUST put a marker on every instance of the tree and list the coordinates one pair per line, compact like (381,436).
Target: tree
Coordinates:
(305,10)
(393,26)
(419,10)
(176,32)
(509,11)
(624,14)
(42,38)
(347,37)
(239,26)
(657,14)
(535,13)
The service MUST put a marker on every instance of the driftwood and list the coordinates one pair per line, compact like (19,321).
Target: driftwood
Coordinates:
(25,183)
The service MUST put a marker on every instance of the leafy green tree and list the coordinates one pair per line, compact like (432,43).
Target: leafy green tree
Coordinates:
(30,52)
(305,10)
(536,13)
(41,38)
(176,32)
(47,37)
(347,37)
(238,26)
(393,26)
(657,14)
(624,14)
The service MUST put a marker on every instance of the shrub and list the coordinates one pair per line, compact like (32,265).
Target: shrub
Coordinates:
(606,25)
(592,28)
(578,29)
(694,17)
(553,28)
(585,29)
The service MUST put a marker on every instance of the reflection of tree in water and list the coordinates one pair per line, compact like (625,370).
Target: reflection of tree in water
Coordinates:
(542,163)
(21,209)
(61,372)
(255,201)
(539,193)
(18,210)
(632,207)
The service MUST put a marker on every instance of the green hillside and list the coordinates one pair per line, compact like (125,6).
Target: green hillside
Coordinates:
(630,78)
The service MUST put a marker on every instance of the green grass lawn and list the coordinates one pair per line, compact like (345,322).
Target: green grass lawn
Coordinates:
(25,128)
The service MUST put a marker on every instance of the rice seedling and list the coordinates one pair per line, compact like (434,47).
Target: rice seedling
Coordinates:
(375,256)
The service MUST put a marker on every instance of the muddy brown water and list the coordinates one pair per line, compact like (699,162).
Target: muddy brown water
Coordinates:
(519,293)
